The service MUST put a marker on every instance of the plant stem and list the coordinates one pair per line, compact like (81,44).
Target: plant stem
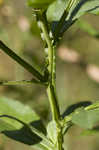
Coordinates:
(53,103)
(20,82)
(51,89)
(22,62)
(51,65)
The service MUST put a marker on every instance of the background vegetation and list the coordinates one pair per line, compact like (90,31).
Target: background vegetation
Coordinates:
(77,68)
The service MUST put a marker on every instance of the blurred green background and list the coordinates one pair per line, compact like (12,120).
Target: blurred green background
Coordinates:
(77,69)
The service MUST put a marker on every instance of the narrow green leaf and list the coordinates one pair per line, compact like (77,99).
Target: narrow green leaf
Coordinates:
(73,107)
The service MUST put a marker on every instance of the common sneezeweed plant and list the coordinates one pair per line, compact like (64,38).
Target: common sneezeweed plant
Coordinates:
(21,123)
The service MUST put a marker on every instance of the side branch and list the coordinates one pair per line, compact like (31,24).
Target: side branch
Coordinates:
(22,62)
(22,82)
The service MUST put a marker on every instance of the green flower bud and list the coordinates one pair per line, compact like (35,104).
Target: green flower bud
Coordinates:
(39,4)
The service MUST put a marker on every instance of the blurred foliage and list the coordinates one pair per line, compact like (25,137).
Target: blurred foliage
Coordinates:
(77,68)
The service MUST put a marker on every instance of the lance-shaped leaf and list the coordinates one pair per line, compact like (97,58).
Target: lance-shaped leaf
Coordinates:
(16,128)
(70,109)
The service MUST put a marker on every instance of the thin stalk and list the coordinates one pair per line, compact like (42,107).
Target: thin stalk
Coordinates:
(22,82)
(22,62)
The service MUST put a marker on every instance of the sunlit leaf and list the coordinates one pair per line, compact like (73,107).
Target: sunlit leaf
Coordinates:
(86,118)
(79,8)
(56,10)
(15,129)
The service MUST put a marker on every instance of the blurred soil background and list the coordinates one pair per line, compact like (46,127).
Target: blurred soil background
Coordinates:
(77,69)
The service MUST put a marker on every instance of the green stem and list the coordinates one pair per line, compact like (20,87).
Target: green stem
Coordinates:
(51,65)
(22,82)
(53,99)
(50,48)
(51,89)
(53,103)
(22,62)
